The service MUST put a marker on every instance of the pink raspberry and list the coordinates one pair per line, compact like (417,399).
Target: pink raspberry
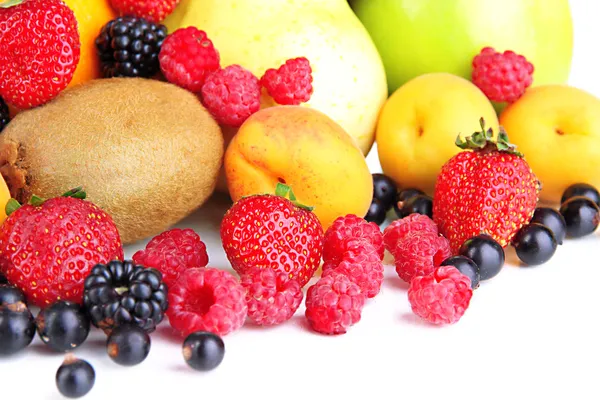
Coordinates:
(172,253)
(502,77)
(187,57)
(361,263)
(419,253)
(207,299)
(441,297)
(343,230)
(333,304)
(400,228)
(272,297)
(291,84)
(231,95)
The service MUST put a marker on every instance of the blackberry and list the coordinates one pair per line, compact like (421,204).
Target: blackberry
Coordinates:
(121,292)
(4,116)
(129,47)
(75,378)
(63,326)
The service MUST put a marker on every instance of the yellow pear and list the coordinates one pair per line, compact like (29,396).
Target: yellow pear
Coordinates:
(349,78)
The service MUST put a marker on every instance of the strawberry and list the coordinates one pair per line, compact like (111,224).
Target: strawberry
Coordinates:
(271,231)
(487,189)
(47,248)
(39,50)
(151,10)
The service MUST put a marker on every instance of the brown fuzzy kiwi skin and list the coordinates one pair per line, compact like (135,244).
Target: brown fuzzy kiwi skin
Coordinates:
(146,152)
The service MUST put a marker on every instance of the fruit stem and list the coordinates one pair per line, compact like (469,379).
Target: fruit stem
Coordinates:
(286,192)
(483,142)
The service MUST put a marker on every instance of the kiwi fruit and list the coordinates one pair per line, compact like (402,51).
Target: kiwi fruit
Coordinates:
(146,152)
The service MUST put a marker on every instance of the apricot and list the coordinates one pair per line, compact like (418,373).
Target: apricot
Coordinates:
(557,127)
(419,123)
(308,151)
(4,198)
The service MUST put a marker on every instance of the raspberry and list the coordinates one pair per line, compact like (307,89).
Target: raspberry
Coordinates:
(333,304)
(187,57)
(419,253)
(172,252)
(441,297)
(291,84)
(362,264)
(272,297)
(231,95)
(207,299)
(151,10)
(400,228)
(350,227)
(502,77)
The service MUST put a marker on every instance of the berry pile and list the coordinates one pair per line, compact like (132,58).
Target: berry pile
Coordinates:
(188,58)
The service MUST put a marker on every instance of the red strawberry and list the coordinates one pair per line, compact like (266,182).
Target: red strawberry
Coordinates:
(47,248)
(151,10)
(487,189)
(39,50)
(270,231)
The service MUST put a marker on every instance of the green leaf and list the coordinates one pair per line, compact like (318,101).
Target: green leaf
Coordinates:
(76,193)
(11,206)
(36,201)
(10,3)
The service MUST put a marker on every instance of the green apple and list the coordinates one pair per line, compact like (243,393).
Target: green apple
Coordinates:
(415,37)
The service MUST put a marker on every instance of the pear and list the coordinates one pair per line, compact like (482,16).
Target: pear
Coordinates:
(349,78)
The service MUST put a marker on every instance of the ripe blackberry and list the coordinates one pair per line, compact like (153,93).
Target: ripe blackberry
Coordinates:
(120,293)
(4,116)
(129,46)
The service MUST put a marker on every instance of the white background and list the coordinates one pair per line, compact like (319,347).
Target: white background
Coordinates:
(530,333)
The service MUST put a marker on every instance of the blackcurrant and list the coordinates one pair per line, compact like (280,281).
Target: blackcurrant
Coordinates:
(17,327)
(581,216)
(466,266)
(384,190)
(419,204)
(75,378)
(581,189)
(203,351)
(404,195)
(10,295)
(534,244)
(553,220)
(376,212)
(3,280)
(486,253)
(63,326)
(128,345)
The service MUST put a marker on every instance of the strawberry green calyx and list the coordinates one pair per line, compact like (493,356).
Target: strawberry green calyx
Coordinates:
(286,192)
(483,141)
(13,205)
(10,3)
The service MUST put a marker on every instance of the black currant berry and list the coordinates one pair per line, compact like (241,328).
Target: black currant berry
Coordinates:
(419,204)
(535,244)
(17,327)
(3,280)
(11,295)
(384,190)
(552,220)
(466,266)
(486,253)
(581,216)
(203,351)
(128,345)
(376,212)
(583,190)
(75,378)
(404,195)
(63,326)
